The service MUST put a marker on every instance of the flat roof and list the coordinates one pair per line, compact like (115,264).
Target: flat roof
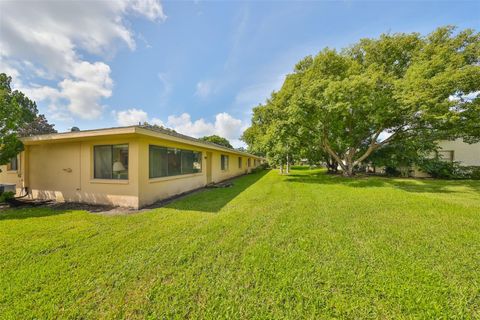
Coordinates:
(148,130)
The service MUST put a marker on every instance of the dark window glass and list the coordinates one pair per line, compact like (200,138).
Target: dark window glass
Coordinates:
(158,161)
(111,162)
(239,162)
(170,162)
(174,162)
(13,165)
(197,162)
(224,162)
(249,164)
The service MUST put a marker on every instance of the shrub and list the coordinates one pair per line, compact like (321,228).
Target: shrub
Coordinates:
(448,170)
(261,167)
(475,174)
(6,195)
(470,172)
(392,171)
(438,168)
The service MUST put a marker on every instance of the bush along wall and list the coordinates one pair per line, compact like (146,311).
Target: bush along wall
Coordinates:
(449,170)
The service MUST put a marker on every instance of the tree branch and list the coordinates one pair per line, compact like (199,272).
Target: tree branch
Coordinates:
(330,151)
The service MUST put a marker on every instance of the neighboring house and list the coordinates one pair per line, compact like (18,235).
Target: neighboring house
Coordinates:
(455,150)
(125,166)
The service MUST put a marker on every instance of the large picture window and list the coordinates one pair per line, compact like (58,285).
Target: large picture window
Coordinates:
(111,162)
(164,162)
(224,162)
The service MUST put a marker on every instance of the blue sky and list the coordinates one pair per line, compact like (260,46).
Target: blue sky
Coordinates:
(198,67)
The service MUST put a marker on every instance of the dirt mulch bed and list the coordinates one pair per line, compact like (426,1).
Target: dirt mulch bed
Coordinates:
(108,209)
(115,210)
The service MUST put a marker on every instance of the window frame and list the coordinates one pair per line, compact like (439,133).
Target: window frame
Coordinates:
(240,162)
(224,165)
(113,179)
(181,174)
(9,165)
(441,153)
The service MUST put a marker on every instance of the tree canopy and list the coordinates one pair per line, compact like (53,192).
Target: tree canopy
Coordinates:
(345,105)
(18,117)
(217,140)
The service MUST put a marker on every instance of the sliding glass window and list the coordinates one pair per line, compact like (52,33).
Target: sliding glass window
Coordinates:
(164,162)
(110,162)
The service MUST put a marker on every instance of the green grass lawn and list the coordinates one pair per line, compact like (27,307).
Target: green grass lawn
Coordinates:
(305,245)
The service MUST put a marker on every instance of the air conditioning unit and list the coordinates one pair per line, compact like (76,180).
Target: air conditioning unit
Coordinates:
(11,187)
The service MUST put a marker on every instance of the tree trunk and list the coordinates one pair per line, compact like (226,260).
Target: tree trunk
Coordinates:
(332,165)
(288,164)
(348,171)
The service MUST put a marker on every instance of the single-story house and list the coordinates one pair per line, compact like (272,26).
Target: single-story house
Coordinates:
(130,166)
(455,151)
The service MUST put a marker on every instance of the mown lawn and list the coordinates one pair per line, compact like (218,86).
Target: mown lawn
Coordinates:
(306,245)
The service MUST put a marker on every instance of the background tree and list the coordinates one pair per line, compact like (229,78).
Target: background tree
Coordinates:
(217,140)
(16,110)
(39,125)
(18,118)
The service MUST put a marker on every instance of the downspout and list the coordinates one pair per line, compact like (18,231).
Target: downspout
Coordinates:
(80,167)
(26,170)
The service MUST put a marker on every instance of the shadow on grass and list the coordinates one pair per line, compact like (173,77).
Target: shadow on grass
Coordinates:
(25,213)
(406,184)
(213,200)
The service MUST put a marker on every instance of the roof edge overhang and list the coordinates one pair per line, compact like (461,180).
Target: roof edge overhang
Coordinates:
(121,131)
(211,146)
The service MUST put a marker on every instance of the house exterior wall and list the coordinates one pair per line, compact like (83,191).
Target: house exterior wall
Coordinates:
(63,171)
(219,175)
(466,154)
(152,190)
(16,177)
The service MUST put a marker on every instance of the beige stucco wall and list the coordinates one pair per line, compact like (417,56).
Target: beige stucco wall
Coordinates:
(14,176)
(466,154)
(63,171)
(219,175)
(151,190)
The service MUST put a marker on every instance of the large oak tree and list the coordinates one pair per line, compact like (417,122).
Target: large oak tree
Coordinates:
(381,91)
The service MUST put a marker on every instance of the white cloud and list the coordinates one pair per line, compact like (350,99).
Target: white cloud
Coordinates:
(131,117)
(227,126)
(157,121)
(184,124)
(149,8)
(134,116)
(44,39)
(224,125)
